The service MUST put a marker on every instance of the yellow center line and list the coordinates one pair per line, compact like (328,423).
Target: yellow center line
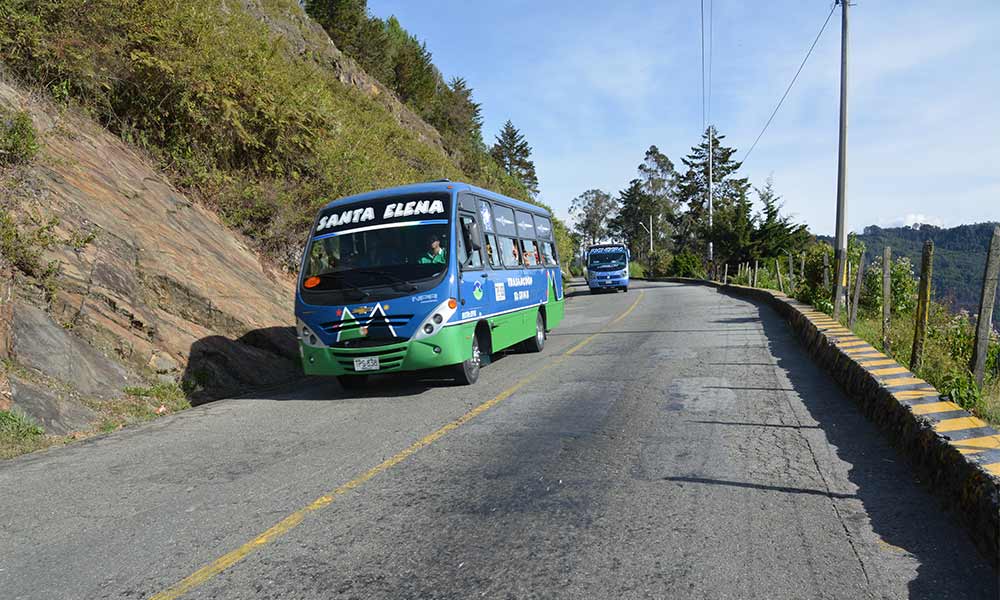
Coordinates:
(229,559)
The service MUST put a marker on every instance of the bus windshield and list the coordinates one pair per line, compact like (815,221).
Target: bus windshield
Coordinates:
(607,261)
(396,257)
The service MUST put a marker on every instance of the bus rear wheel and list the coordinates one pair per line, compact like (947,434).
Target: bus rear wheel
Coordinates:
(467,372)
(352,382)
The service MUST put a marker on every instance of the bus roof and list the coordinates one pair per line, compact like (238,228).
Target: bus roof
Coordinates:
(440,186)
(610,245)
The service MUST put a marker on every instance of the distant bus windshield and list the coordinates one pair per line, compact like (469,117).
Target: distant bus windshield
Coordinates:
(607,260)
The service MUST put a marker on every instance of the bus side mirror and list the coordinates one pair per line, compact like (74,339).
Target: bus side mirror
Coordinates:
(472,235)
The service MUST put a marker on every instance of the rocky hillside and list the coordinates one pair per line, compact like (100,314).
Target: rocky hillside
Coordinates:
(174,154)
(150,285)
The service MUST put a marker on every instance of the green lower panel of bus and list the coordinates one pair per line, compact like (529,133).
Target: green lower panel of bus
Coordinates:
(451,346)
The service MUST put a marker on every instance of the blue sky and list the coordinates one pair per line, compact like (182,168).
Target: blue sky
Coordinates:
(592,84)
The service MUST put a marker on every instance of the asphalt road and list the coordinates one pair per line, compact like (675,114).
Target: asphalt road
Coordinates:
(669,443)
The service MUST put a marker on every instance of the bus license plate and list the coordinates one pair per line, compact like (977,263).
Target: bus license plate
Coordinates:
(368,363)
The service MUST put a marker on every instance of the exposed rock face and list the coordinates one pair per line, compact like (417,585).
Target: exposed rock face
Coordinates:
(41,344)
(161,275)
(6,309)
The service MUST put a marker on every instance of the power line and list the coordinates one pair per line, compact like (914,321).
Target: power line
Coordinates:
(785,95)
(711,12)
(703,65)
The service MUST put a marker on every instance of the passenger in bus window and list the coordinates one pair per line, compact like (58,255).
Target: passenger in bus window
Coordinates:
(489,251)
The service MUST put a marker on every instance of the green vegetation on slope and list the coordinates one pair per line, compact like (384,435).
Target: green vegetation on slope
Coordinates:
(259,134)
(959,258)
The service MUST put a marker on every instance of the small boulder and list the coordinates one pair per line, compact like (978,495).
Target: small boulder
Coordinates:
(56,415)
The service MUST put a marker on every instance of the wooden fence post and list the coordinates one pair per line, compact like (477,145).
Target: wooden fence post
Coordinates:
(791,273)
(847,291)
(725,277)
(756,272)
(923,305)
(984,323)
(802,266)
(859,279)
(826,273)
(886,300)
(777,267)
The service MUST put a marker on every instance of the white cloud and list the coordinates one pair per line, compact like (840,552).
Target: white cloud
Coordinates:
(911,219)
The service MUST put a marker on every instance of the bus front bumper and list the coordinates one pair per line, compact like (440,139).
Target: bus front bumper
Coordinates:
(607,282)
(451,346)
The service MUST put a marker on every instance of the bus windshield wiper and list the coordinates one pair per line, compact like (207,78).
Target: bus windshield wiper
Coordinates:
(396,280)
(343,282)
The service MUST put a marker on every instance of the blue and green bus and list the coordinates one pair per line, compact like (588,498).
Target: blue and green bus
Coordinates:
(424,276)
(607,267)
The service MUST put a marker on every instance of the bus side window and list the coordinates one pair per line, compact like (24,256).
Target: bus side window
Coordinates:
(469,257)
(493,252)
(529,253)
(548,255)
(508,252)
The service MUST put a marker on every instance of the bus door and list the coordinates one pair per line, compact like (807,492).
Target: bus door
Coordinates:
(474,291)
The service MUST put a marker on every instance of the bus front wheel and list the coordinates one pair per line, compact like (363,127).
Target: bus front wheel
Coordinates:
(467,372)
(536,342)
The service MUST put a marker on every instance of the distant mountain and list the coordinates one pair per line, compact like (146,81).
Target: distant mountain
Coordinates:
(959,257)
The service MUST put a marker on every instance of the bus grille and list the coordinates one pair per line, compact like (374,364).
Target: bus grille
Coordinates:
(389,357)
(389,320)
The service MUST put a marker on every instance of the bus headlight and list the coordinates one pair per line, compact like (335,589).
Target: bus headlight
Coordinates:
(436,320)
(306,335)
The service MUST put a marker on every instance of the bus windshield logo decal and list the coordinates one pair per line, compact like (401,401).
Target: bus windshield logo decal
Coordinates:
(420,207)
(358,215)
(477,290)
(393,210)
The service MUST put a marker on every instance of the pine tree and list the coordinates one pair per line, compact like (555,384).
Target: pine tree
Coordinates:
(513,154)
(633,211)
(691,224)
(356,34)
(775,234)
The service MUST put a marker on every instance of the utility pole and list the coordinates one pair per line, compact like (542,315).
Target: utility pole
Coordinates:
(840,252)
(650,232)
(711,245)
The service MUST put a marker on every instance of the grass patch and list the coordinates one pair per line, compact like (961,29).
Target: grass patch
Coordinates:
(20,434)
(140,404)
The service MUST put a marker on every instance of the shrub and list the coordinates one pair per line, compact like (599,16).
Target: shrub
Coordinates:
(686,264)
(962,389)
(810,288)
(18,140)
(903,286)
(23,247)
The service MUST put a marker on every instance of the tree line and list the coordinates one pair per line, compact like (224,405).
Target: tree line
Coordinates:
(402,62)
(675,202)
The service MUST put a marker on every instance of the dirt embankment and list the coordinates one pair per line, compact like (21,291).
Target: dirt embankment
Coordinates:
(162,292)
